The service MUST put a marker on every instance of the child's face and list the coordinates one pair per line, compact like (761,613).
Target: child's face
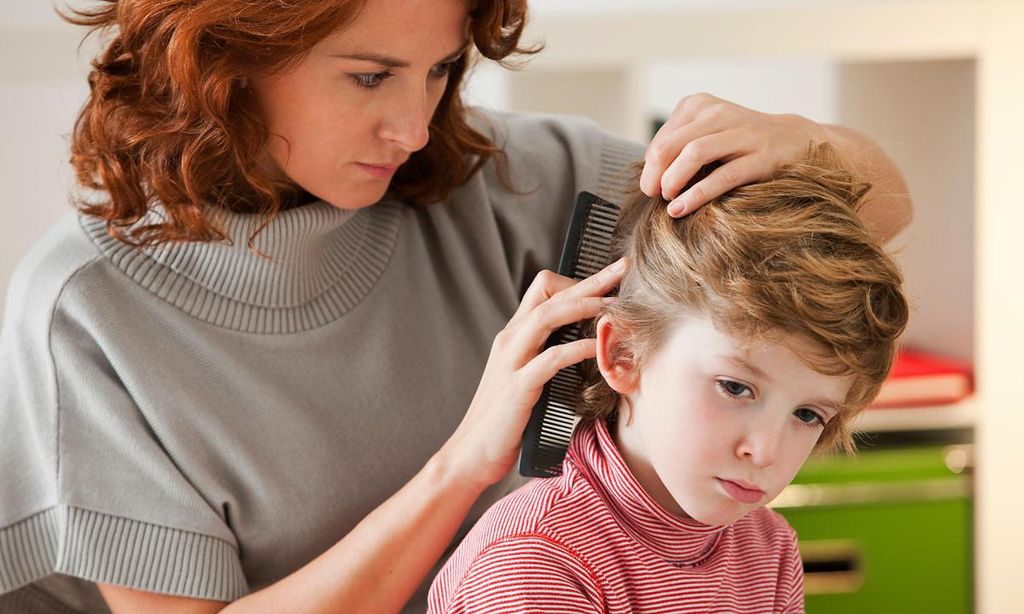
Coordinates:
(713,438)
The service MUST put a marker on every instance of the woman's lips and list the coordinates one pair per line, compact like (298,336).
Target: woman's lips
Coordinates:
(743,494)
(378,170)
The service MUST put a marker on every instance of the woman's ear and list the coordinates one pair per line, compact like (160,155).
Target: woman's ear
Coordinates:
(614,358)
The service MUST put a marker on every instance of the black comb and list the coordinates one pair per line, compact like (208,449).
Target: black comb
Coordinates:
(587,250)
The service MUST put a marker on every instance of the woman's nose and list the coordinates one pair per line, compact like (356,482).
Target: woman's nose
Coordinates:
(407,124)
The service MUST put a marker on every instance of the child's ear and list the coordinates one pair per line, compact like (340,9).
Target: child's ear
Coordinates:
(614,358)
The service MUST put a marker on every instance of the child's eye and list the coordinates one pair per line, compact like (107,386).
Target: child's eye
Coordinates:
(734,389)
(371,79)
(809,416)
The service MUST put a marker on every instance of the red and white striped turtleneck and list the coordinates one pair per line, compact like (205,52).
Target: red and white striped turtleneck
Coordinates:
(592,540)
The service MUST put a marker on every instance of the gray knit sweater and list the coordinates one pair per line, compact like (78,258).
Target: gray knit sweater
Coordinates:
(198,420)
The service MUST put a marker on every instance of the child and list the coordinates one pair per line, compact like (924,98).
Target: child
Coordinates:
(744,336)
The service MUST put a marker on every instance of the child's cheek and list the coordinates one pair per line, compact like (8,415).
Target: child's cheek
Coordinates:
(715,413)
(795,458)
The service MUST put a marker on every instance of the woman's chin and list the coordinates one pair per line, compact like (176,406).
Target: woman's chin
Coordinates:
(353,202)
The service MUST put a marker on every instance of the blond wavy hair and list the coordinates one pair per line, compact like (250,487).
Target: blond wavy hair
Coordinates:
(787,256)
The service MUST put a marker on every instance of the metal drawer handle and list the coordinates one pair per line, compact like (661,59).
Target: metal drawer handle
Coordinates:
(831,566)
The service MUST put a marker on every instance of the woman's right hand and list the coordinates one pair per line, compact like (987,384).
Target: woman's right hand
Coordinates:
(486,443)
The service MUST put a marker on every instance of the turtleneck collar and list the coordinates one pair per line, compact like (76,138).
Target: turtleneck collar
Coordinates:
(675,539)
(311,265)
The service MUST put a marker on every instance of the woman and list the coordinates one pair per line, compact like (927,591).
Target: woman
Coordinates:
(239,378)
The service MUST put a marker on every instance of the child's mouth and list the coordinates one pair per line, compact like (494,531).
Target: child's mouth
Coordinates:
(741,493)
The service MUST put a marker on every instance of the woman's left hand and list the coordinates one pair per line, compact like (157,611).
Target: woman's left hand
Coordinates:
(703,129)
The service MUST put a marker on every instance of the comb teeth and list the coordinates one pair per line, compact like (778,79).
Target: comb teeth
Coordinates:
(594,250)
(587,250)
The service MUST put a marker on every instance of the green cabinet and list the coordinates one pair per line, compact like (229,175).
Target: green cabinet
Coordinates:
(886,531)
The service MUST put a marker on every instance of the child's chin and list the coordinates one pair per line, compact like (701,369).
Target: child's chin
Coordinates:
(718,518)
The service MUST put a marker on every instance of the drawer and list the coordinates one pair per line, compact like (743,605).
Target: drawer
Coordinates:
(881,535)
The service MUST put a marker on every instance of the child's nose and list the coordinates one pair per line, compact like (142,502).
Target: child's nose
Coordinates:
(762,443)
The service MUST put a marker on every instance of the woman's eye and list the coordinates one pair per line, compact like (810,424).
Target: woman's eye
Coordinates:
(443,70)
(808,416)
(732,388)
(370,80)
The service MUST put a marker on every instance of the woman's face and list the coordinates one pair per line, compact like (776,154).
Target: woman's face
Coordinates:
(349,114)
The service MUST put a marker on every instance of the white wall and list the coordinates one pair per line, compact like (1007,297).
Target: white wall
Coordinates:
(923,114)
(806,87)
(35,118)
(42,86)
(17,14)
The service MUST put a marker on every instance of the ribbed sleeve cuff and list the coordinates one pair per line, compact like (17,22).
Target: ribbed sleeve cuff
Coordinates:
(103,548)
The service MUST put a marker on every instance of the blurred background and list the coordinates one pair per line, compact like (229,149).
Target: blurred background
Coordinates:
(925,518)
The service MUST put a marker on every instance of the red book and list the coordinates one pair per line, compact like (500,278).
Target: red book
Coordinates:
(923,378)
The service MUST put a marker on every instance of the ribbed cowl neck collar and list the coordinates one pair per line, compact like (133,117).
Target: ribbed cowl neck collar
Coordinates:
(317,263)
(675,539)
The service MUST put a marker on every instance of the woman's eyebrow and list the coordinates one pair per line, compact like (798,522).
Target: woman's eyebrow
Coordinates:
(391,62)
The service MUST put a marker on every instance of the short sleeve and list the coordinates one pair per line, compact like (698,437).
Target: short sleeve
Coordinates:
(531,573)
(88,490)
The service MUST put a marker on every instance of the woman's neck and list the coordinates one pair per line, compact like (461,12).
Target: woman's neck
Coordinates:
(297,198)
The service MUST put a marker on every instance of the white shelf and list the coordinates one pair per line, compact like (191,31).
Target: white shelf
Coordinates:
(956,416)
(853,31)
(959,143)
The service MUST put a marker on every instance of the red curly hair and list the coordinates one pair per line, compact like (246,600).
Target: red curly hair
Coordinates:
(165,121)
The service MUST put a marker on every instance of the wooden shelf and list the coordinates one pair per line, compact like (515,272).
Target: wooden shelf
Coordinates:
(956,416)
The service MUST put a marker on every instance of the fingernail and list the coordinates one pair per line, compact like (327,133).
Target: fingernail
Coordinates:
(677,208)
(618,266)
(608,300)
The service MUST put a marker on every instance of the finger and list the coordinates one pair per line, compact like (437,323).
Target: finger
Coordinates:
(598,284)
(544,285)
(740,171)
(659,155)
(698,152)
(668,141)
(552,360)
(546,319)
(688,109)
